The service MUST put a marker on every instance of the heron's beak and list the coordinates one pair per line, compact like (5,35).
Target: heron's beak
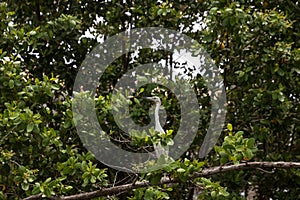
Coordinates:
(149,98)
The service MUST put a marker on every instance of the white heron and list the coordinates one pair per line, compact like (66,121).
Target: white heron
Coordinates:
(159,149)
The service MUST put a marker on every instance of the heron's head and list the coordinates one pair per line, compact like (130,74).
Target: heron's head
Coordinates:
(156,99)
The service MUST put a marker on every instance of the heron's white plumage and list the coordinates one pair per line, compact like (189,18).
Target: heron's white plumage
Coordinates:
(159,149)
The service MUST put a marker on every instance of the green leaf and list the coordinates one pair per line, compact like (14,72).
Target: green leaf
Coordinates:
(227,147)
(149,194)
(67,170)
(180,170)
(48,180)
(136,100)
(30,127)
(47,192)
(54,87)
(213,194)
(248,154)
(45,141)
(281,97)
(11,84)
(224,157)
(67,124)
(240,148)
(14,116)
(229,127)
(225,22)
(31,179)
(155,179)
(36,190)
(207,38)
(69,113)
(25,186)
(93,179)
(239,134)
(223,192)
(250,143)
(170,141)
(32,32)
(85,182)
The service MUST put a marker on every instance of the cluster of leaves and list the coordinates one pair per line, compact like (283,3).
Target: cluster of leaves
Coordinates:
(37,131)
(235,148)
(33,141)
(142,138)
(256,45)
(151,193)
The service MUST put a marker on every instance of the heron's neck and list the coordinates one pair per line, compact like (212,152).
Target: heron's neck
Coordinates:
(156,117)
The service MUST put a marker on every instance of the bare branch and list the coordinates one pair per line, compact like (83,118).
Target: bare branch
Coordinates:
(247,165)
(34,197)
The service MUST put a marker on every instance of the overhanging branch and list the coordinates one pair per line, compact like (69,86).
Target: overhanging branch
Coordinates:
(203,173)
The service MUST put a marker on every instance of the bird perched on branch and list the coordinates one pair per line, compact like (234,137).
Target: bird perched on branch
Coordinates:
(159,149)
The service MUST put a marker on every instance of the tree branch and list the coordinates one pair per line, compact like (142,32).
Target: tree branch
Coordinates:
(34,197)
(247,165)
(203,173)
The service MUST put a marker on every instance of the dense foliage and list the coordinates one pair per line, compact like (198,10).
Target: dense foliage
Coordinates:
(256,45)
